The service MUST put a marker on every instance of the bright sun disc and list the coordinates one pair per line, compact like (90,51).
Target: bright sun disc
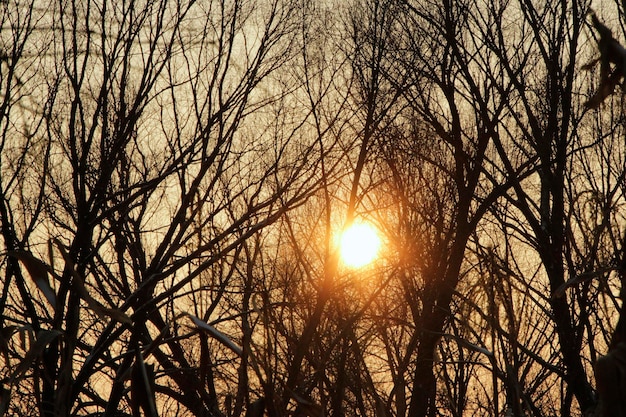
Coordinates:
(359,245)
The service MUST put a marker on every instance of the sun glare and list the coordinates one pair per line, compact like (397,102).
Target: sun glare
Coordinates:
(359,245)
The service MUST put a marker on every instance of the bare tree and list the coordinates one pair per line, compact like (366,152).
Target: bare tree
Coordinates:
(152,186)
(173,174)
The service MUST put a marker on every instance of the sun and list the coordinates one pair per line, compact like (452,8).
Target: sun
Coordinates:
(359,245)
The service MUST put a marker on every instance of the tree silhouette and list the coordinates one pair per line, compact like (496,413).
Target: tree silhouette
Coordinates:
(173,175)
